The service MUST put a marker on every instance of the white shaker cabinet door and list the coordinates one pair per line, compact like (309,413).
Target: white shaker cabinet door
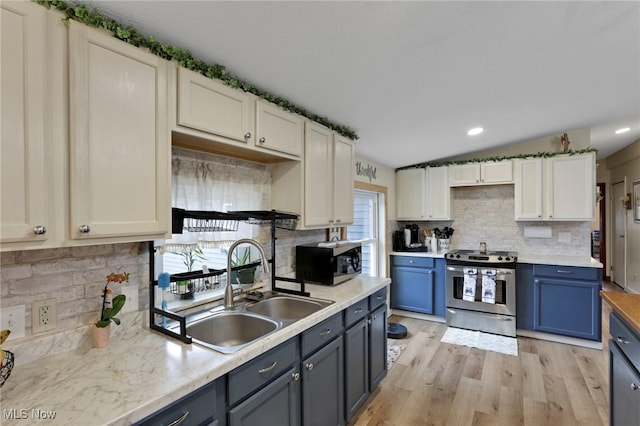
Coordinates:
(23,164)
(278,130)
(318,176)
(438,193)
(528,189)
(571,187)
(410,194)
(119,141)
(343,171)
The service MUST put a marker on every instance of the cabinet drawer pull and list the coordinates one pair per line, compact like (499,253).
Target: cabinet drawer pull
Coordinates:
(262,140)
(85,229)
(622,340)
(40,230)
(309,366)
(269,368)
(634,386)
(380,297)
(326,332)
(358,311)
(411,261)
(563,271)
(180,419)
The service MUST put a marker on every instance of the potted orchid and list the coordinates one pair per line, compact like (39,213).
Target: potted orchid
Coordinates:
(109,310)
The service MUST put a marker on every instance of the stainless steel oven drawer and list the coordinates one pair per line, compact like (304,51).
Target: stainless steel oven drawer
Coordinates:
(480,321)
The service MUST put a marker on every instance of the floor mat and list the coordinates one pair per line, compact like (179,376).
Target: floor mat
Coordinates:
(393,352)
(477,339)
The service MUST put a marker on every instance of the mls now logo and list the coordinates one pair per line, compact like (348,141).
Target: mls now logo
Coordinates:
(23,413)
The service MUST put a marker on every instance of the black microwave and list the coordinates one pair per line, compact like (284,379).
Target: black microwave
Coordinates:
(328,265)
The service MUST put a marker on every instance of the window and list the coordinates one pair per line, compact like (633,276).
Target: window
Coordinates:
(368,218)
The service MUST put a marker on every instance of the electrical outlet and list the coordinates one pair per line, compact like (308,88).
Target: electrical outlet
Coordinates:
(12,319)
(43,315)
(131,292)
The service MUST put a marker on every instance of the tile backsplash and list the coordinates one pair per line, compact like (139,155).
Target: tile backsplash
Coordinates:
(486,213)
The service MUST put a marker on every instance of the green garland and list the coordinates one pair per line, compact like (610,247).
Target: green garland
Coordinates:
(499,158)
(131,35)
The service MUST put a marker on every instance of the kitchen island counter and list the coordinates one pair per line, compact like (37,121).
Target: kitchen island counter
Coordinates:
(142,371)
(625,304)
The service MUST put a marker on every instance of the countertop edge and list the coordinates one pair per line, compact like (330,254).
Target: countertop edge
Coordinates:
(626,305)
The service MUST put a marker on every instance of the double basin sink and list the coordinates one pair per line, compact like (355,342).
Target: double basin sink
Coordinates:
(229,330)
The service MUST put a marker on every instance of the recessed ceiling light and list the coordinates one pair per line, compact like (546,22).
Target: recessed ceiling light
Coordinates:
(623,130)
(475,131)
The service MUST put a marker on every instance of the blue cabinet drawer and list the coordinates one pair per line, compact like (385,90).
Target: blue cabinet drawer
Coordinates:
(265,368)
(418,262)
(626,338)
(378,298)
(203,406)
(567,272)
(356,312)
(322,333)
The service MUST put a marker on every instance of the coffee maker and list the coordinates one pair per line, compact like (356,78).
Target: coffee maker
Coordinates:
(406,238)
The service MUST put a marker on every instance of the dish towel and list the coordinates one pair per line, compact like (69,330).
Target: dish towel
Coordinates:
(489,285)
(469,290)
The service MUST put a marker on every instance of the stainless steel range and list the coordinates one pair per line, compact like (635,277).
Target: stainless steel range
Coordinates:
(481,291)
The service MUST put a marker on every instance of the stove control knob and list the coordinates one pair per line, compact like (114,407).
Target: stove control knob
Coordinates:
(458,256)
(507,258)
(499,257)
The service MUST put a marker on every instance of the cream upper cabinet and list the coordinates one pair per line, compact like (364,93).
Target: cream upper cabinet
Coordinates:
(423,194)
(208,105)
(24,209)
(120,179)
(570,187)
(528,189)
(319,188)
(343,177)
(318,176)
(485,173)
(438,195)
(410,194)
(278,130)
(556,188)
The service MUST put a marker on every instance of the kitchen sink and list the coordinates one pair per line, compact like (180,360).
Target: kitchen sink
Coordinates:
(287,308)
(231,331)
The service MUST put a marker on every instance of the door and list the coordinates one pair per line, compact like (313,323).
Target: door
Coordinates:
(617,241)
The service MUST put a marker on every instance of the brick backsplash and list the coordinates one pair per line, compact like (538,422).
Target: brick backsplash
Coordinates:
(486,213)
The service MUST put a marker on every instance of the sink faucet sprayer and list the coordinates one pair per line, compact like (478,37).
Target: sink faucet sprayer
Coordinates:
(228,291)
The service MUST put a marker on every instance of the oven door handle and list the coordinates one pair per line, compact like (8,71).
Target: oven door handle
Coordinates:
(454,268)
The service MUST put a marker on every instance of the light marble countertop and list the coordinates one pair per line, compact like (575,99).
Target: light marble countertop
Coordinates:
(142,371)
(437,254)
(584,261)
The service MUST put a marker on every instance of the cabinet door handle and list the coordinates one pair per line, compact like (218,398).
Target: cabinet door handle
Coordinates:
(411,261)
(369,321)
(262,140)
(247,135)
(621,235)
(295,377)
(429,272)
(40,230)
(563,271)
(179,420)
(326,332)
(84,229)
(622,340)
(269,368)
(309,366)
(634,386)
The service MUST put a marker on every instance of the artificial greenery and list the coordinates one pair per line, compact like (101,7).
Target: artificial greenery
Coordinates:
(499,158)
(131,35)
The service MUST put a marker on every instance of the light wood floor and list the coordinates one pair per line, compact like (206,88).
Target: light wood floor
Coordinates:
(547,384)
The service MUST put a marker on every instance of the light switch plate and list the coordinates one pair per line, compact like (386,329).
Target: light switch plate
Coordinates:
(14,321)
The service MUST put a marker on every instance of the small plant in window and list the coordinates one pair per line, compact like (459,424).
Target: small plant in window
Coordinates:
(189,257)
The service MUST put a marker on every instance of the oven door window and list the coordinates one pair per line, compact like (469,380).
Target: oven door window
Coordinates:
(500,290)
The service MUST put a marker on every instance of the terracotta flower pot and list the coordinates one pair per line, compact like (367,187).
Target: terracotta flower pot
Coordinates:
(100,336)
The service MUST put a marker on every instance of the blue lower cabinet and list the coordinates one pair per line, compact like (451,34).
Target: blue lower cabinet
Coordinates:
(377,347)
(276,404)
(356,365)
(205,406)
(323,386)
(524,297)
(418,285)
(566,301)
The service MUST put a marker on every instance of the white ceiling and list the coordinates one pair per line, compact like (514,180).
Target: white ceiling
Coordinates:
(412,77)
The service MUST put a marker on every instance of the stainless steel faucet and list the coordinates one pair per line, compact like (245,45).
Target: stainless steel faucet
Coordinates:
(228,291)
